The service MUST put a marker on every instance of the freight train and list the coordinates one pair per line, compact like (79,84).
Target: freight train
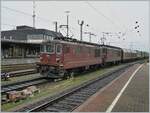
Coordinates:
(61,58)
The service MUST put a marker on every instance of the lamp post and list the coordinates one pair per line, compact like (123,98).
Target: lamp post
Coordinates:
(81,28)
(56,27)
(67,12)
(33,14)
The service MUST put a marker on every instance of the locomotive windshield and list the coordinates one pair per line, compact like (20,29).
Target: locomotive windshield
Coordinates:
(50,48)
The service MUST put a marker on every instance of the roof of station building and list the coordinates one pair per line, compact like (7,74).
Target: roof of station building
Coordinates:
(22,31)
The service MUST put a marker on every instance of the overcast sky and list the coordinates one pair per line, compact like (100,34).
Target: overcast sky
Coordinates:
(102,16)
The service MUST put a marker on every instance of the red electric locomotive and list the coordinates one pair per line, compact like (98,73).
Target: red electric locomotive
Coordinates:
(61,58)
(112,55)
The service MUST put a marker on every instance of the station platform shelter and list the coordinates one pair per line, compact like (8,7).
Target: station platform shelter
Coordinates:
(19,49)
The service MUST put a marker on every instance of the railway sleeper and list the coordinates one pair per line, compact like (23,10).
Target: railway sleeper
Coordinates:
(68,102)
(74,100)
(64,106)
(52,109)
(81,95)
(93,88)
(89,91)
(77,98)
(84,93)
(60,108)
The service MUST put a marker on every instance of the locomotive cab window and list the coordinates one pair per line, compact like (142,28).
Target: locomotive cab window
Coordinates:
(42,48)
(50,48)
(58,49)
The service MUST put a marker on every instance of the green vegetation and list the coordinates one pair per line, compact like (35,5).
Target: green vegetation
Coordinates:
(49,89)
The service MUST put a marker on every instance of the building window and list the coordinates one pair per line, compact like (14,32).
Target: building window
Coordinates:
(35,36)
(44,37)
(10,37)
(50,38)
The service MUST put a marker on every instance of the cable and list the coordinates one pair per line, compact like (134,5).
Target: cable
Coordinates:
(101,14)
(17,11)
(9,25)
(27,14)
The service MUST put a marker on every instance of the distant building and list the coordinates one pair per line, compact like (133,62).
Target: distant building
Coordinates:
(24,41)
(29,34)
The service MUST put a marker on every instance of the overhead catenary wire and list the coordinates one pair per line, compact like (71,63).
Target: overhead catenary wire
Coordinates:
(106,17)
(101,14)
(27,14)
(8,24)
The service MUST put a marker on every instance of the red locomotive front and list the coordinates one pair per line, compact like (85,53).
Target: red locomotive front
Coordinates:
(51,59)
(51,54)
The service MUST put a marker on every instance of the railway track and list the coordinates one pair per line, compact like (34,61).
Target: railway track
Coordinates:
(22,72)
(17,67)
(22,84)
(70,99)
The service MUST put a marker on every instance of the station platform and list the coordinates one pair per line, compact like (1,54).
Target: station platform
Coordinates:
(19,61)
(128,93)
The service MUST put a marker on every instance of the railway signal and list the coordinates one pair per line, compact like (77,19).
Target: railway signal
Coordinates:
(81,28)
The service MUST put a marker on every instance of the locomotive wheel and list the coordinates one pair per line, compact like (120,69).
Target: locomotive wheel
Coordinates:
(72,75)
(68,75)
(40,71)
(65,76)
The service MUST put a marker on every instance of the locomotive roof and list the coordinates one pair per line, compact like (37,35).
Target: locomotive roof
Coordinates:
(114,47)
(75,41)
(71,40)
(129,50)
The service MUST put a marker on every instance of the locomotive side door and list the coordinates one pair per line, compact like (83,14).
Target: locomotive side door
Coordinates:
(104,54)
(59,56)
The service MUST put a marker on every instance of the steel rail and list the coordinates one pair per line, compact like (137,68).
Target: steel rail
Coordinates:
(22,84)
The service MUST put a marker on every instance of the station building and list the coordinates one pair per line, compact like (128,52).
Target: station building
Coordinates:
(24,41)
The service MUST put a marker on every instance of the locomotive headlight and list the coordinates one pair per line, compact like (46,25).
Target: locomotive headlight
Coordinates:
(57,60)
(47,55)
(40,58)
